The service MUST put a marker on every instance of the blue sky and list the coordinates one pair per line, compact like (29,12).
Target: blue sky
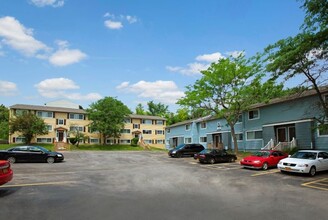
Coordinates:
(136,51)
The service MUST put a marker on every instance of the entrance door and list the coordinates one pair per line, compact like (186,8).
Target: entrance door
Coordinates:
(291,133)
(217,138)
(60,136)
(281,135)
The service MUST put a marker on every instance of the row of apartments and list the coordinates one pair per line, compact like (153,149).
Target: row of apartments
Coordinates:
(64,118)
(283,122)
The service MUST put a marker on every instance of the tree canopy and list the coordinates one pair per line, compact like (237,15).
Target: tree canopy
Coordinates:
(228,88)
(107,116)
(29,125)
(4,122)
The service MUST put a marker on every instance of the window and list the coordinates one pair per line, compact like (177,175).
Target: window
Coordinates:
(125,141)
(76,128)
(159,141)
(203,139)
(136,126)
(159,132)
(147,121)
(187,127)
(44,114)
(49,127)
(61,121)
(254,135)
(323,131)
(20,112)
(110,141)
(125,131)
(159,122)
(203,125)
(127,120)
(168,130)
(146,131)
(187,140)
(20,140)
(94,141)
(219,126)
(240,119)
(76,116)
(240,137)
(255,114)
(44,140)
(148,141)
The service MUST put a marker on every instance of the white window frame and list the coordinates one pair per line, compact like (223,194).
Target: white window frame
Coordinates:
(125,141)
(254,135)
(94,141)
(159,122)
(148,141)
(159,132)
(20,140)
(243,137)
(203,123)
(50,128)
(160,141)
(147,121)
(187,138)
(75,116)
(79,128)
(258,115)
(44,140)
(200,139)
(61,121)
(45,114)
(125,131)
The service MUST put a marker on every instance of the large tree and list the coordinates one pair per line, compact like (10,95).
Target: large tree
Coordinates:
(158,109)
(228,88)
(305,54)
(28,125)
(4,122)
(107,116)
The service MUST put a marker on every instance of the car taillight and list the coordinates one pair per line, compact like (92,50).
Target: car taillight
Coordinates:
(202,156)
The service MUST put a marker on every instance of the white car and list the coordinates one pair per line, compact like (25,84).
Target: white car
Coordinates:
(305,161)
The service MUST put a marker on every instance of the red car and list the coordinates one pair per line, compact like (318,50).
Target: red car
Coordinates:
(6,173)
(263,159)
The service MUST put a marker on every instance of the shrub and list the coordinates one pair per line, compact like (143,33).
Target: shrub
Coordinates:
(134,142)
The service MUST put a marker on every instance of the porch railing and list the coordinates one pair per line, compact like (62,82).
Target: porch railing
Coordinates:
(269,145)
(283,146)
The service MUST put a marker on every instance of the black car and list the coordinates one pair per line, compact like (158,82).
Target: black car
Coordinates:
(30,154)
(215,156)
(185,149)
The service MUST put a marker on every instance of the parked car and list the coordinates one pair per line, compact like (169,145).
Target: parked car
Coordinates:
(263,159)
(30,154)
(215,156)
(185,149)
(6,173)
(305,161)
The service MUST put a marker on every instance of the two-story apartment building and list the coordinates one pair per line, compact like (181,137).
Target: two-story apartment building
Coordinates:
(287,120)
(63,119)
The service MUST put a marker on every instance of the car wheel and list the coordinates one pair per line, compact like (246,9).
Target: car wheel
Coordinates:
(312,171)
(11,159)
(211,161)
(50,160)
(265,166)
(232,159)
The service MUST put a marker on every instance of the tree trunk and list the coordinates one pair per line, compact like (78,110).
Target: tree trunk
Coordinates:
(233,134)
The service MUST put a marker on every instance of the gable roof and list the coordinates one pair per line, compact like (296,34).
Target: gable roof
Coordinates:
(47,108)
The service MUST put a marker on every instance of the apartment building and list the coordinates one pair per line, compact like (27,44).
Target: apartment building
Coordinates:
(64,118)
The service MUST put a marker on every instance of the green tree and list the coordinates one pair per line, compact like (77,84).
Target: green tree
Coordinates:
(107,116)
(29,125)
(140,110)
(228,88)
(305,54)
(158,109)
(4,122)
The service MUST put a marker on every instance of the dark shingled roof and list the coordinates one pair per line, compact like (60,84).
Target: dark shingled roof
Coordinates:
(47,108)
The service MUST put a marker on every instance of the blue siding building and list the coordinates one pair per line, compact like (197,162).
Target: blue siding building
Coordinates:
(283,121)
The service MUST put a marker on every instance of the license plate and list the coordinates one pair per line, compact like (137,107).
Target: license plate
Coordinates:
(288,168)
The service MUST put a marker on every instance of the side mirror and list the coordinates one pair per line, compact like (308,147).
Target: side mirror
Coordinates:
(289,155)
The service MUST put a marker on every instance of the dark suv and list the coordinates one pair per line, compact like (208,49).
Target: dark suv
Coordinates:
(185,149)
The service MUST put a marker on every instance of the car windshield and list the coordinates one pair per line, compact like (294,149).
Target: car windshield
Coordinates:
(206,151)
(261,153)
(305,155)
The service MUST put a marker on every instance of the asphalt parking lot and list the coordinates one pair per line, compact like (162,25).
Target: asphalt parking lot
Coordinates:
(150,185)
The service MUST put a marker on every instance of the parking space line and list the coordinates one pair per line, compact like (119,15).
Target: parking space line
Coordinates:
(38,184)
(317,184)
(265,173)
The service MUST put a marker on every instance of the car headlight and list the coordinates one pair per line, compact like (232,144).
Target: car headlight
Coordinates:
(280,163)
(59,155)
(256,161)
(302,165)
(173,152)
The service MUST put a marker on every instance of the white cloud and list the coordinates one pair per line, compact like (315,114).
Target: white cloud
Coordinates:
(7,88)
(214,57)
(58,87)
(163,91)
(19,38)
(63,57)
(116,22)
(53,3)
(113,24)
(192,69)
